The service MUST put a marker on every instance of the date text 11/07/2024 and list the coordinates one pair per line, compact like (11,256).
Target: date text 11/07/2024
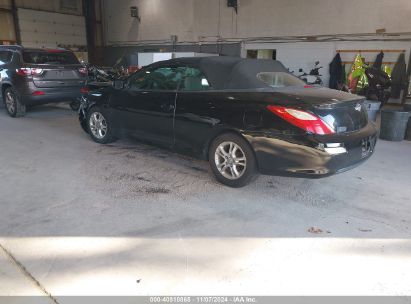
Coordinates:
(205,299)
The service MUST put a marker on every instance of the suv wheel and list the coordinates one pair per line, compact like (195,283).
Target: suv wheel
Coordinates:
(12,103)
(232,160)
(99,127)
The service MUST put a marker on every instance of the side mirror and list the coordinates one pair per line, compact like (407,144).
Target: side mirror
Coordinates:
(118,84)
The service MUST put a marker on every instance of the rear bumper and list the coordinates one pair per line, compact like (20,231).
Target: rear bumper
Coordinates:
(27,92)
(51,96)
(306,156)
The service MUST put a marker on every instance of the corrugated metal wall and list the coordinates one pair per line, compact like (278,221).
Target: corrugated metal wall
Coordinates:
(5,4)
(6,27)
(7,33)
(73,7)
(44,23)
(49,29)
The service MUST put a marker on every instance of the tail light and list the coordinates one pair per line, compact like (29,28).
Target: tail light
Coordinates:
(302,119)
(38,93)
(29,72)
(83,71)
(84,90)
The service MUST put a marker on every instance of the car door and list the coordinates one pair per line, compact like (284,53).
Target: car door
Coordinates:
(195,111)
(201,111)
(145,107)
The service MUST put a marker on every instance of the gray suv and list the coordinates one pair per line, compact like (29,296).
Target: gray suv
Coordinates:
(38,76)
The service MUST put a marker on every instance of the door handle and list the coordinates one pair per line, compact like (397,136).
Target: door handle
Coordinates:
(167,107)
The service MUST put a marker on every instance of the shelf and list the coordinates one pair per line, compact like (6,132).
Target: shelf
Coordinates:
(370,51)
(368,62)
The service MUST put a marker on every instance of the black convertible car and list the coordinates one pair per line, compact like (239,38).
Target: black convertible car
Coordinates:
(243,115)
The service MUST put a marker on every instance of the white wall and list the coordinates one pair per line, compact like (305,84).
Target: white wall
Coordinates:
(212,20)
(159,20)
(304,54)
(193,19)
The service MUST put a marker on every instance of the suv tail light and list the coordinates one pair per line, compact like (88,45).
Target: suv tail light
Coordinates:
(304,120)
(38,93)
(29,72)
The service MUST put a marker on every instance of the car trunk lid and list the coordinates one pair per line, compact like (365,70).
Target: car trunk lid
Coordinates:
(54,68)
(342,111)
(58,76)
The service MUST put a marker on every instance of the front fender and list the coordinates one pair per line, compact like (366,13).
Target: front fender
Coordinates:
(85,105)
(87,101)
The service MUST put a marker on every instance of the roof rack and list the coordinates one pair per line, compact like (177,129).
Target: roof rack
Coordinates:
(12,47)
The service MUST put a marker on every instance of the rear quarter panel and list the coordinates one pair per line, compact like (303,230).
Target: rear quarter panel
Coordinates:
(202,115)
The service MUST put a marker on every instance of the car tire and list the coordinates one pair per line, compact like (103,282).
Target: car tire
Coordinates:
(99,127)
(12,103)
(232,160)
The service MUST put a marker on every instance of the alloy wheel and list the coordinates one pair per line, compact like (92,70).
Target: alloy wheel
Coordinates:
(230,160)
(98,125)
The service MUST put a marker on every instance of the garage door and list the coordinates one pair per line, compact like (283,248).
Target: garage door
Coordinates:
(47,29)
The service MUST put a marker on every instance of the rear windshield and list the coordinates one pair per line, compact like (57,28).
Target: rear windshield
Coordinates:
(279,79)
(49,57)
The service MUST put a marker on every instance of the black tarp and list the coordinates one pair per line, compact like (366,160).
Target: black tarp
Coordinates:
(398,77)
(378,61)
(336,72)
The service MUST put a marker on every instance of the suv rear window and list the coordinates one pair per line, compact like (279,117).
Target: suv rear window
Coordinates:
(279,79)
(49,57)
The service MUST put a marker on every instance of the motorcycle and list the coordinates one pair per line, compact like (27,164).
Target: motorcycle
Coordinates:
(370,82)
(379,84)
(313,77)
(98,77)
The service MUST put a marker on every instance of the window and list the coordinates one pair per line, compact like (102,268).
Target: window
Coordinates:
(262,54)
(5,57)
(194,80)
(164,78)
(279,79)
(50,57)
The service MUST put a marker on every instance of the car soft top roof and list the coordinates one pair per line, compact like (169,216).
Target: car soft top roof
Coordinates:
(231,72)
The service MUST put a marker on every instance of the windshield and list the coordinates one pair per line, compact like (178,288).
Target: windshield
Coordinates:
(49,57)
(279,79)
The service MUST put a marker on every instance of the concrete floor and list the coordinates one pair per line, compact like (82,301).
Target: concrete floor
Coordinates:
(131,219)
